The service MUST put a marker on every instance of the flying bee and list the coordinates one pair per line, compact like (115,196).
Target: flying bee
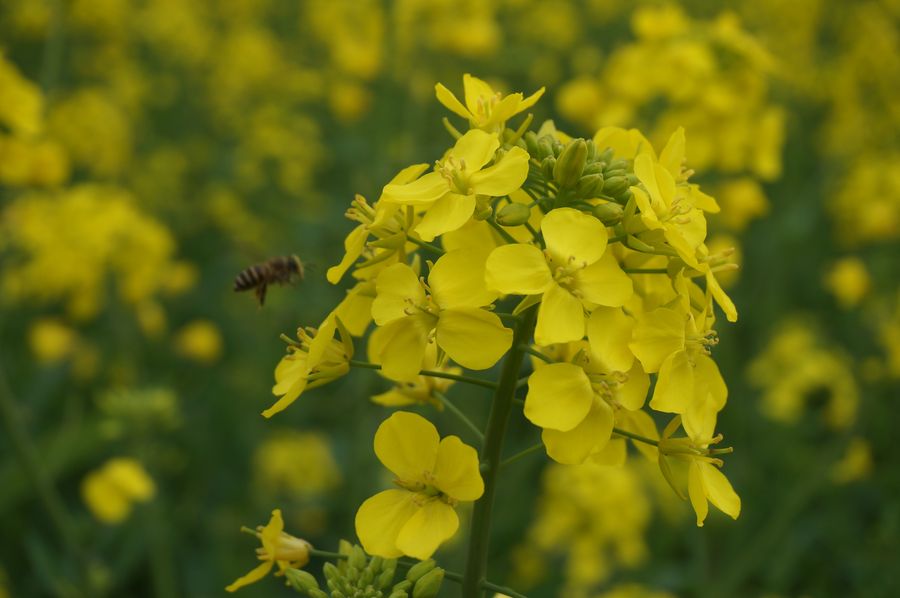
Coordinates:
(278,270)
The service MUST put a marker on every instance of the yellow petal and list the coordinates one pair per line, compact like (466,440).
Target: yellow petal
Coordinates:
(719,491)
(476,90)
(576,445)
(399,346)
(614,453)
(353,247)
(609,331)
(560,317)
(457,471)
(604,283)
(675,384)
(446,97)
(642,424)
(474,149)
(380,519)
(448,213)
(531,100)
(407,444)
(290,381)
(393,398)
(504,177)
(518,269)
(709,397)
(355,310)
(272,531)
(632,393)
(472,337)
(422,191)
(429,527)
(625,143)
(657,334)
(571,234)
(252,577)
(559,396)
(458,279)
(721,297)
(697,493)
(397,287)
(672,156)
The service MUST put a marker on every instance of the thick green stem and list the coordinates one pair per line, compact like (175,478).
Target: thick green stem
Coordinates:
(479,537)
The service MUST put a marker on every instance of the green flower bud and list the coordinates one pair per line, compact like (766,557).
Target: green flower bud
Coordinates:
(315,593)
(571,163)
(513,214)
(386,577)
(531,144)
(547,166)
(357,558)
(338,594)
(332,573)
(483,209)
(615,186)
(606,155)
(300,580)
(610,173)
(589,186)
(618,165)
(419,569)
(404,586)
(429,584)
(398,594)
(591,150)
(545,148)
(592,168)
(609,212)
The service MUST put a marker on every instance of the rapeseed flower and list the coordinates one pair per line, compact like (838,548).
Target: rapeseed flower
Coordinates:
(278,548)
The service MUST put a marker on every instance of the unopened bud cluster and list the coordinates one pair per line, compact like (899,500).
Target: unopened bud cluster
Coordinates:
(358,576)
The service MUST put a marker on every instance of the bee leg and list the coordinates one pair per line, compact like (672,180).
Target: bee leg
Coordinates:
(261,294)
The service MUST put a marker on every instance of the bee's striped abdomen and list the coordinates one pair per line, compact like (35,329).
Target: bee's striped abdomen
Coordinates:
(251,277)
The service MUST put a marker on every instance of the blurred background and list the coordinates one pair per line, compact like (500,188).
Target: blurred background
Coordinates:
(152,149)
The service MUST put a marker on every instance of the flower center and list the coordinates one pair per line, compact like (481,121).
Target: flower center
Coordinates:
(454,170)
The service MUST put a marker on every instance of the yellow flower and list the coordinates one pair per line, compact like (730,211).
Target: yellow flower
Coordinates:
(849,281)
(574,272)
(706,484)
(199,340)
(448,193)
(668,340)
(51,340)
(433,475)
(111,491)
(420,390)
(317,359)
(278,548)
(576,403)
(447,310)
(485,108)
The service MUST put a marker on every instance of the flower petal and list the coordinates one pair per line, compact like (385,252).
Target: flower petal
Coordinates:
(697,493)
(571,234)
(422,191)
(518,269)
(397,288)
(399,346)
(559,396)
(474,149)
(450,102)
(560,317)
(531,100)
(457,471)
(632,393)
(472,337)
(407,444)
(457,279)
(429,527)
(604,283)
(353,248)
(657,334)
(576,445)
(380,519)
(609,332)
(719,490)
(476,90)
(253,576)
(448,213)
(674,385)
(504,177)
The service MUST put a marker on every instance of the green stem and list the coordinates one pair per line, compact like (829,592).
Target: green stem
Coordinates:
(460,415)
(520,454)
(646,270)
(628,434)
(506,236)
(31,465)
(532,351)
(508,591)
(431,373)
(479,536)
(424,245)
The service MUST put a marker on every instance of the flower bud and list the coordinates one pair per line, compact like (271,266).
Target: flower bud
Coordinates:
(429,584)
(570,164)
(615,186)
(545,148)
(609,212)
(531,144)
(513,214)
(398,594)
(591,150)
(592,168)
(547,166)
(419,569)
(332,574)
(589,186)
(300,580)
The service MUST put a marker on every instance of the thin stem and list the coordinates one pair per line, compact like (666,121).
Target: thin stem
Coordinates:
(646,270)
(27,455)
(508,316)
(532,351)
(506,236)
(480,534)
(424,245)
(520,454)
(503,590)
(431,373)
(537,237)
(636,437)
(459,414)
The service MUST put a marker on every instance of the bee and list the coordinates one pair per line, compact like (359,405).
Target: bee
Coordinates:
(278,270)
